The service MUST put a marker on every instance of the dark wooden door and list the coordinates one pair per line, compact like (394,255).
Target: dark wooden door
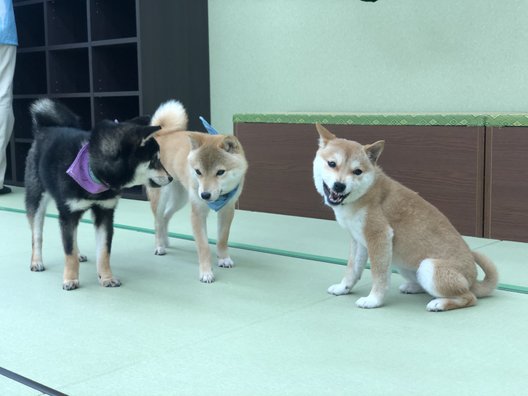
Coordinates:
(506,211)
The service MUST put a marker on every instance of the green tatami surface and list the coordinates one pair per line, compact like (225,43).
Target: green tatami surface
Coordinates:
(313,239)
(265,327)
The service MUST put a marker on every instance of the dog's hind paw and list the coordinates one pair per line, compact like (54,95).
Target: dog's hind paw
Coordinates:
(436,305)
(207,277)
(338,289)
(70,284)
(226,262)
(110,282)
(411,288)
(82,258)
(37,266)
(160,251)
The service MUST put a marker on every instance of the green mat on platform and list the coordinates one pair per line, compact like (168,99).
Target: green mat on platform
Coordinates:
(434,119)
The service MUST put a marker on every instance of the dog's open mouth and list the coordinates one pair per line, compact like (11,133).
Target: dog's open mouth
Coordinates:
(332,197)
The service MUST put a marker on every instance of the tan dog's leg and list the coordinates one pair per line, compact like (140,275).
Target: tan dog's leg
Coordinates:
(356,263)
(225,218)
(154,195)
(199,224)
(450,287)
(379,242)
(164,202)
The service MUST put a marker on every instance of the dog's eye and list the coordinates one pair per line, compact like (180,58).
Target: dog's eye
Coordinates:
(198,172)
(357,172)
(220,172)
(331,164)
(155,163)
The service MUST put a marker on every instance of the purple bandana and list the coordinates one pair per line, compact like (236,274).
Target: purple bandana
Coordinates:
(80,171)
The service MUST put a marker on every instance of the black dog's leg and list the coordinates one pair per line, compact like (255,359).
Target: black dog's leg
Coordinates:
(68,224)
(104,231)
(82,258)
(36,203)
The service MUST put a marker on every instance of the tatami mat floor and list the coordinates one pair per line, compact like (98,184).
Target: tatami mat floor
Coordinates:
(265,327)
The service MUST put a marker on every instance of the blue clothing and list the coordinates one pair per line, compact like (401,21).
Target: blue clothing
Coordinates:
(210,129)
(8,32)
(222,200)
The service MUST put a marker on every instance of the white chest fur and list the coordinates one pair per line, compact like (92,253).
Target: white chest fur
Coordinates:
(353,221)
(85,204)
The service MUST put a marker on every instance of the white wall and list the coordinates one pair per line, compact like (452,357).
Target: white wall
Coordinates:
(351,56)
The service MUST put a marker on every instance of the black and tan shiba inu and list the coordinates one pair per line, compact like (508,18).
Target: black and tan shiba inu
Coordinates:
(82,170)
(208,171)
(391,224)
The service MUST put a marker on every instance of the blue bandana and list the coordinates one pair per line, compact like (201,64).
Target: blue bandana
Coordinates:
(209,128)
(222,200)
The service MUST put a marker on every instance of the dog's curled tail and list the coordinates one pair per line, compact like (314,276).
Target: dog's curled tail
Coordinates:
(48,113)
(485,287)
(170,115)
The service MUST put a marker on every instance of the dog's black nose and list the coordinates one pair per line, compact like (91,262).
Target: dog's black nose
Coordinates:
(339,187)
(205,195)
(170,179)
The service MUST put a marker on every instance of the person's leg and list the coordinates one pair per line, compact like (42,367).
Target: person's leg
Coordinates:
(7,119)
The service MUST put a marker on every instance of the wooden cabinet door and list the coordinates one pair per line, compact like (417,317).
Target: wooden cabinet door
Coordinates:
(506,199)
(443,163)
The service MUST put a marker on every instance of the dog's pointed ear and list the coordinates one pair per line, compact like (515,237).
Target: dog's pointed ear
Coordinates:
(374,150)
(324,135)
(231,144)
(196,140)
(106,124)
(147,133)
(140,120)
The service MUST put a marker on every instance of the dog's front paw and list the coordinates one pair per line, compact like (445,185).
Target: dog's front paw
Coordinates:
(369,302)
(160,251)
(82,258)
(37,266)
(339,289)
(70,284)
(109,282)
(207,277)
(225,262)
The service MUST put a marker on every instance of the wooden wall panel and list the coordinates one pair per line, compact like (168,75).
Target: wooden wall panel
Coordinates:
(506,200)
(444,164)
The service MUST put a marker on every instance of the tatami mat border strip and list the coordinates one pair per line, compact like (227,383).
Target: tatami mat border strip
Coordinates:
(377,119)
(46,390)
(255,248)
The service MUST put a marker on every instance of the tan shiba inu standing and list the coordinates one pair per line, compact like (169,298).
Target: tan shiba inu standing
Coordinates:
(208,170)
(391,224)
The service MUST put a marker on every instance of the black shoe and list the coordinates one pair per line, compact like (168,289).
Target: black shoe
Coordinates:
(5,190)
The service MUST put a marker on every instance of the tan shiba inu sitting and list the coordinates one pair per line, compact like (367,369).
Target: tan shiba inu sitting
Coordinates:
(391,224)
(208,170)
